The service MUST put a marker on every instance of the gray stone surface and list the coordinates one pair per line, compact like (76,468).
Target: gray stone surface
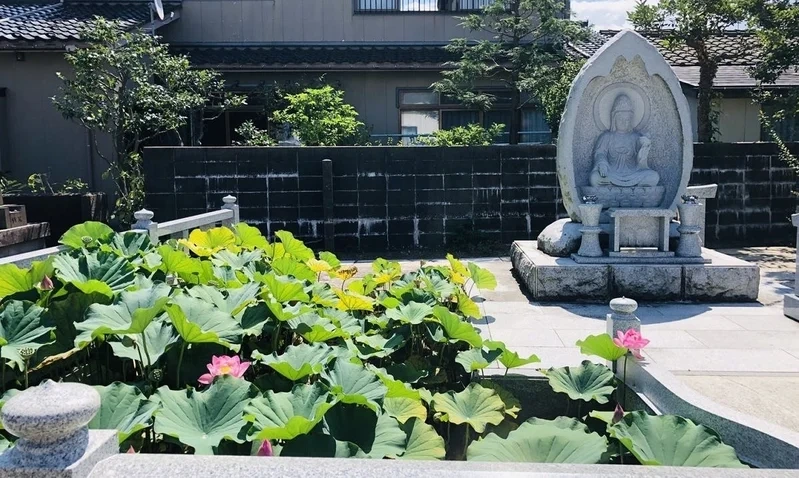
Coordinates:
(639,227)
(691,222)
(623,316)
(149,466)
(50,421)
(791,306)
(632,258)
(706,191)
(561,238)
(721,283)
(627,65)
(660,282)
(554,278)
(759,443)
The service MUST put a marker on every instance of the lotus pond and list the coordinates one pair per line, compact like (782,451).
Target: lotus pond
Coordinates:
(226,343)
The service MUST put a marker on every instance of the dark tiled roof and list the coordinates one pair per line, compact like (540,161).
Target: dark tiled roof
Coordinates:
(308,56)
(735,48)
(33,22)
(738,50)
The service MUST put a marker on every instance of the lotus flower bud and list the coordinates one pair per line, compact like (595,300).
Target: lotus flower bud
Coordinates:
(46,283)
(156,375)
(618,414)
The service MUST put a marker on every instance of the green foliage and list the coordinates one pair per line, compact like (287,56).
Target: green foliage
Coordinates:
(519,52)
(668,440)
(602,346)
(385,365)
(471,135)
(252,136)
(692,24)
(319,116)
(587,382)
(563,440)
(128,85)
(552,87)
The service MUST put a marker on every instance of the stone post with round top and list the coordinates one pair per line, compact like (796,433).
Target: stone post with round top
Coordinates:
(50,421)
(623,317)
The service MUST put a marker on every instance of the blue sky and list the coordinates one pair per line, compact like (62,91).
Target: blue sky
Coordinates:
(603,14)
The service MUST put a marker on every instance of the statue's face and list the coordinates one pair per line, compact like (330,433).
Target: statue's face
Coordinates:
(624,121)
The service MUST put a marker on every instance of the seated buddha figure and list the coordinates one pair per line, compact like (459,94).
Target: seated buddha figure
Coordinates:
(620,154)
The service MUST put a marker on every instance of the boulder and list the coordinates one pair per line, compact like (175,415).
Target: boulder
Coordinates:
(561,238)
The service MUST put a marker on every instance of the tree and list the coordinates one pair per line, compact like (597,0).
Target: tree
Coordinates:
(777,26)
(320,117)
(694,23)
(552,90)
(128,85)
(528,42)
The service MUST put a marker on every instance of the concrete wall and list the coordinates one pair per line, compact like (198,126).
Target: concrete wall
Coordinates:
(39,139)
(397,198)
(305,21)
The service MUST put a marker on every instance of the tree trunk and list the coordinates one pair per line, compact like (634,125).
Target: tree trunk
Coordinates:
(705,126)
(515,118)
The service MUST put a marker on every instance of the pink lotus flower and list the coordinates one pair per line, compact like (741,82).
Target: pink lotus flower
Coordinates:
(265,449)
(224,365)
(632,340)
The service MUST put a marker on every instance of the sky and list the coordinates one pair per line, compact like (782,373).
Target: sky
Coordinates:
(603,14)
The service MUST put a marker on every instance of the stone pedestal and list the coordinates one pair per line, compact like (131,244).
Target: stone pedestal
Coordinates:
(589,247)
(690,244)
(50,421)
(722,279)
(623,317)
(640,228)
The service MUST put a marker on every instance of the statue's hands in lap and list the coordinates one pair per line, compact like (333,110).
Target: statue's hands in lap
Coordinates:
(603,169)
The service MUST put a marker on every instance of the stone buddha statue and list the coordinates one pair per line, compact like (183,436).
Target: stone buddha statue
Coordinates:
(620,154)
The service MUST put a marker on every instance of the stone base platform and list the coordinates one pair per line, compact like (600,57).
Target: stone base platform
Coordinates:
(18,240)
(790,306)
(547,278)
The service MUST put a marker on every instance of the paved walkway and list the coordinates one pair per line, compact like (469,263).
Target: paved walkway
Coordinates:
(745,356)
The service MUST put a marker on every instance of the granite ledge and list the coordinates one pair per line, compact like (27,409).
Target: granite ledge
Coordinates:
(148,466)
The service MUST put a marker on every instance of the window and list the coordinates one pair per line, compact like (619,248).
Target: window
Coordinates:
(419,5)
(221,131)
(423,112)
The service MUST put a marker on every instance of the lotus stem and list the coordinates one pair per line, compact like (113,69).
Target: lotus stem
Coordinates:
(624,385)
(3,366)
(276,336)
(141,359)
(466,441)
(146,353)
(180,363)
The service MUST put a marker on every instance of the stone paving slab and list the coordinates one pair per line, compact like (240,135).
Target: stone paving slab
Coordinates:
(745,356)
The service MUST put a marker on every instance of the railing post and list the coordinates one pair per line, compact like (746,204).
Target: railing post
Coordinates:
(144,223)
(230,203)
(51,421)
(790,306)
(327,203)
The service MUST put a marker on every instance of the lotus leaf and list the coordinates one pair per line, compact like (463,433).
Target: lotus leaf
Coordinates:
(287,415)
(351,383)
(97,232)
(202,420)
(668,440)
(602,346)
(587,382)
(22,327)
(476,406)
(298,361)
(122,408)
(563,440)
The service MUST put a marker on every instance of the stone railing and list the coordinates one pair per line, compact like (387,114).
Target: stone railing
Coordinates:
(228,215)
(790,306)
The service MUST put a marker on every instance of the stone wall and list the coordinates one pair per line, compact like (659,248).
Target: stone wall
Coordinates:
(755,199)
(400,198)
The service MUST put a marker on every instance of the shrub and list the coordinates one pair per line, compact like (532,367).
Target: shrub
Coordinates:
(471,135)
